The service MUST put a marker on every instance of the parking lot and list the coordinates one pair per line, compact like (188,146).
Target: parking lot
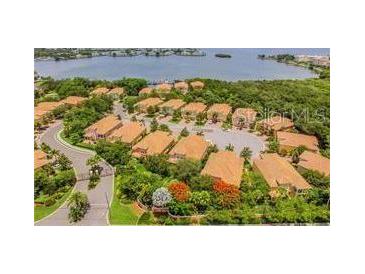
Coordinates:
(212,132)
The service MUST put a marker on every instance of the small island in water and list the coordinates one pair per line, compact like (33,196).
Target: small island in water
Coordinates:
(223,55)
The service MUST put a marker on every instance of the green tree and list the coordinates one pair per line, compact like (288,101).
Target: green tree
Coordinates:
(63,162)
(296,154)
(164,127)
(40,181)
(157,164)
(185,169)
(246,154)
(154,125)
(151,110)
(116,153)
(176,117)
(201,118)
(94,163)
(273,146)
(201,182)
(132,85)
(184,132)
(129,103)
(78,205)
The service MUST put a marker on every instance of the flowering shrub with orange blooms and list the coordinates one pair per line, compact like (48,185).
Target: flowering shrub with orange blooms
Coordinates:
(180,191)
(227,195)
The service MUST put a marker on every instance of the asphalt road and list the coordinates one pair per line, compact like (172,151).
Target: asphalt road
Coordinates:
(98,212)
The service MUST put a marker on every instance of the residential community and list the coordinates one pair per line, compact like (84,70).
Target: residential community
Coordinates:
(159,154)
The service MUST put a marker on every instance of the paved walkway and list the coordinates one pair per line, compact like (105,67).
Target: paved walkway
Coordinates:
(98,212)
(212,132)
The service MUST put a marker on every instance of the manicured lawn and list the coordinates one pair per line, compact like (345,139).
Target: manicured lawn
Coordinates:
(43,211)
(81,145)
(121,213)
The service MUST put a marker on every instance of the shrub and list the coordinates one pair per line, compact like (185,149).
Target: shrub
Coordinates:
(227,195)
(64,178)
(201,200)
(132,186)
(180,209)
(219,217)
(49,201)
(201,182)
(161,197)
(146,193)
(316,179)
(180,191)
(146,219)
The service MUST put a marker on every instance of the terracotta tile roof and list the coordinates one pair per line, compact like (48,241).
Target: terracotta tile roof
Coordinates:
(197,85)
(152,101)
(48,106)
(314,161)
(278,171)
(277,122)
(192,147)
(296,140)
(103,126)
(146,90)
(181,86)
(226,166)
(224,109)
(247,113)
(128,132)
(40,159)
(100,91)
(45,107)
(195,107)
(74,100)
(155,143)
(164,87)
(173,103)
(39,114)
(117,90)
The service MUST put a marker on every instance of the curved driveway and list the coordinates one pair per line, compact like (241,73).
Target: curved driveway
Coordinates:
(98,197)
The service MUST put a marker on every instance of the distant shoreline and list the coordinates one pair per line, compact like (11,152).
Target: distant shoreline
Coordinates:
(64,54)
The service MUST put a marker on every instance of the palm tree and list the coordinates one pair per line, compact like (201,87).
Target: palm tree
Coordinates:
(246,154)
(215,117)
(241,123)
(94,162)
(229,147)
(296,154)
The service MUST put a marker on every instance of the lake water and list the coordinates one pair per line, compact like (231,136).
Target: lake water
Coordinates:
(243,65)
